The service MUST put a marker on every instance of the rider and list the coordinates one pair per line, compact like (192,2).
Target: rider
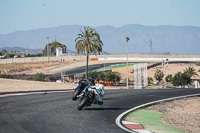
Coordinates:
(98,91)
(92,80)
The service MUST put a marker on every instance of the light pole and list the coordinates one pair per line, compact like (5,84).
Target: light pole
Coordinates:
(48,48)
(104,61)
(165,63)
(127,39)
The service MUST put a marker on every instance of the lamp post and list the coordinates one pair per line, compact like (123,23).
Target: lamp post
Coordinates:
(48,48)
(127,39)
(165,62)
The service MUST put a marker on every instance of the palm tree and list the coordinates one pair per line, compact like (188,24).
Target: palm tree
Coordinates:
(88,42)
(190,71)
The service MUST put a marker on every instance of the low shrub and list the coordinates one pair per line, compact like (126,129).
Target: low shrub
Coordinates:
(6,76)
(39,77)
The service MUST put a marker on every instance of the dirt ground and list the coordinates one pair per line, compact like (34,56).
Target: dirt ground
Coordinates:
(174,68)
(14,85)
(31,68)
(183,114)
(170,69)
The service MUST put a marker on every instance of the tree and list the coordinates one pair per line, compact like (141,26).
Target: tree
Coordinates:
(10,55)
(181,79)
(88,42)
(190,71)
(52,48)
(158,75)
(39,77)
(112,76)
(4,52)
(150,80)
(97,75)
(169,78)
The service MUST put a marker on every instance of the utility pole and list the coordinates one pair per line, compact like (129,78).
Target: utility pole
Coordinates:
(127,39)
(165,63)
(151,46)
(104,61)
(48,48)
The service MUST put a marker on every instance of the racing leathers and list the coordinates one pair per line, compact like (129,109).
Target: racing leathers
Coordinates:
(98,91)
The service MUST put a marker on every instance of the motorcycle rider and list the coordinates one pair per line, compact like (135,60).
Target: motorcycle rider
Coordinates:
(92,80)
(98,91)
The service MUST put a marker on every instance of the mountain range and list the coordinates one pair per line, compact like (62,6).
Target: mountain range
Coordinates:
(161,39)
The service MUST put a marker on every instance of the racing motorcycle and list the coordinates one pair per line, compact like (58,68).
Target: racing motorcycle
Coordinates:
(86,99)
(81,86)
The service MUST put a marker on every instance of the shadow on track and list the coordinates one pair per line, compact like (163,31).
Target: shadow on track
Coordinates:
(106,108)
(110,99)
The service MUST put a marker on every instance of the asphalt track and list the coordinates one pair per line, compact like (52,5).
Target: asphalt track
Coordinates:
(90,68)
(57,113)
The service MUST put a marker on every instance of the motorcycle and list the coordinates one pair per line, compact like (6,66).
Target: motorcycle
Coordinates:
(80,87)
(86,99)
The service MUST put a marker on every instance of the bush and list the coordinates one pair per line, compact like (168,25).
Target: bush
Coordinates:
(159,75)
(109,76)
(6,76)
(169,78)
(112,76)
(150,80)
(39,77)
(181,79)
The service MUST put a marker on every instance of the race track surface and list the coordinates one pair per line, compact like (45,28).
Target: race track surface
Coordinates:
(90,68)
(57,113)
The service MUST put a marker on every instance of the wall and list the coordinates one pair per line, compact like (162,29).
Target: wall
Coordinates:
(83,57)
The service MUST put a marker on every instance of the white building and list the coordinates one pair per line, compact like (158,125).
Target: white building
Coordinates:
(59,51)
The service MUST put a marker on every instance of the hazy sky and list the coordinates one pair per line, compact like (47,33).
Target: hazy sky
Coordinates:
(34,14)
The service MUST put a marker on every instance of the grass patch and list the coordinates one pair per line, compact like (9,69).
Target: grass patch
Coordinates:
(151,120)
(114,66)
(152,87)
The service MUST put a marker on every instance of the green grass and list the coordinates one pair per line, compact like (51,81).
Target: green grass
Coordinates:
(153,87)
(151,121)
(114,66)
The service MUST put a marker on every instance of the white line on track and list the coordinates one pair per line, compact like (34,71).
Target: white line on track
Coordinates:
(31,93)
(118,120)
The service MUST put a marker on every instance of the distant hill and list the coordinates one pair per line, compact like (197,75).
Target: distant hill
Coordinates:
(35,51)
(20,49)
(173,39)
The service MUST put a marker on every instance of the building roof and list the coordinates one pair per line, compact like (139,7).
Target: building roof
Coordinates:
(58,48)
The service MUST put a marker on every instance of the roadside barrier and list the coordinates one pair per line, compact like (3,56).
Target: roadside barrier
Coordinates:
(94,59)
(105,83)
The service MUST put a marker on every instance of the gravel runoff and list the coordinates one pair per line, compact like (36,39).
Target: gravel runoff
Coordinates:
(14,85)
(183,114)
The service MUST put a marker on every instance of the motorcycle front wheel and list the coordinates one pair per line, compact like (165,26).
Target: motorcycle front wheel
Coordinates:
(83,103)
(77,92)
